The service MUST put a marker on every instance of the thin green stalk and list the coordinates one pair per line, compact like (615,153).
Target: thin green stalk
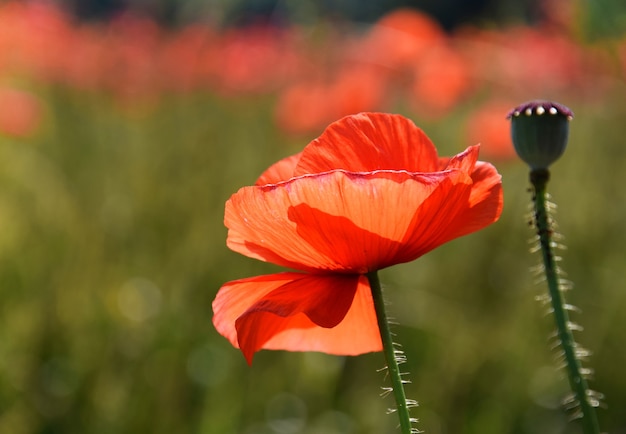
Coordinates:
(391,354)
(578,383)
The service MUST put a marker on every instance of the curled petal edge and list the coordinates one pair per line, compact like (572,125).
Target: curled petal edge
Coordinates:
(298,312)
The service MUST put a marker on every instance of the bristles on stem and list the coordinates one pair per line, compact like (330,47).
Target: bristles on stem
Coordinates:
(569,356)
(395,357)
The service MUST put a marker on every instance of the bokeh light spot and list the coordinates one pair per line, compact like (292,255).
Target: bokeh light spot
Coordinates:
(209,365)
(139,299)
(286,413)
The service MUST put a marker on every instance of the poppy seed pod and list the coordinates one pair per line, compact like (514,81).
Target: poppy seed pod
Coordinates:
(539,130)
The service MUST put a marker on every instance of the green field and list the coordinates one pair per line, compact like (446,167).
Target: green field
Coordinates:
(112,248)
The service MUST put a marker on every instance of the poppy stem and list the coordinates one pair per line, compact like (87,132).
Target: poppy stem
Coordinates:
(583,399)
(393,355)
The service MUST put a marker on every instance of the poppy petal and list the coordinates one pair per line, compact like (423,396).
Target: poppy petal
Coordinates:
(282,170)
(358,333)
(297,312)
(235,297)
(485,201)
(336,221)
(464,161)
(432,220)
(457,212)
(370,141)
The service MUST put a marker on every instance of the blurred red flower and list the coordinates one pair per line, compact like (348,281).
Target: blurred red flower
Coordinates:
(20,112)
(129,64)
(369,193)
(441,78)
(302,107)
(256,59)
(186,58)
(488,126)
(401,37)
(33,38)
(525,60)
(309,106)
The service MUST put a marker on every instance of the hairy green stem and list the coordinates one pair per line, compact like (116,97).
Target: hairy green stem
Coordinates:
(539,179)
(391,354)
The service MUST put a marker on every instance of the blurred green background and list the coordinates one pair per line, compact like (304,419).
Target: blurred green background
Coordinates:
(112,245)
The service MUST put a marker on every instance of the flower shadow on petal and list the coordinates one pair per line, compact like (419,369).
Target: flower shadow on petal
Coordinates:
(323,299)
(352,249)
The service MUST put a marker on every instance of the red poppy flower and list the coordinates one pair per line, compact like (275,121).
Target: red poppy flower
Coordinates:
(370,192)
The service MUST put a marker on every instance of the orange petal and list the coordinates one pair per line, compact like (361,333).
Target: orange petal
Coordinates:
(451,213)
(464,161)
(485,201)
(235,297)
(298,312)
(280,171)
(337,221)
(370,141)
(357,334)
(435,218)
